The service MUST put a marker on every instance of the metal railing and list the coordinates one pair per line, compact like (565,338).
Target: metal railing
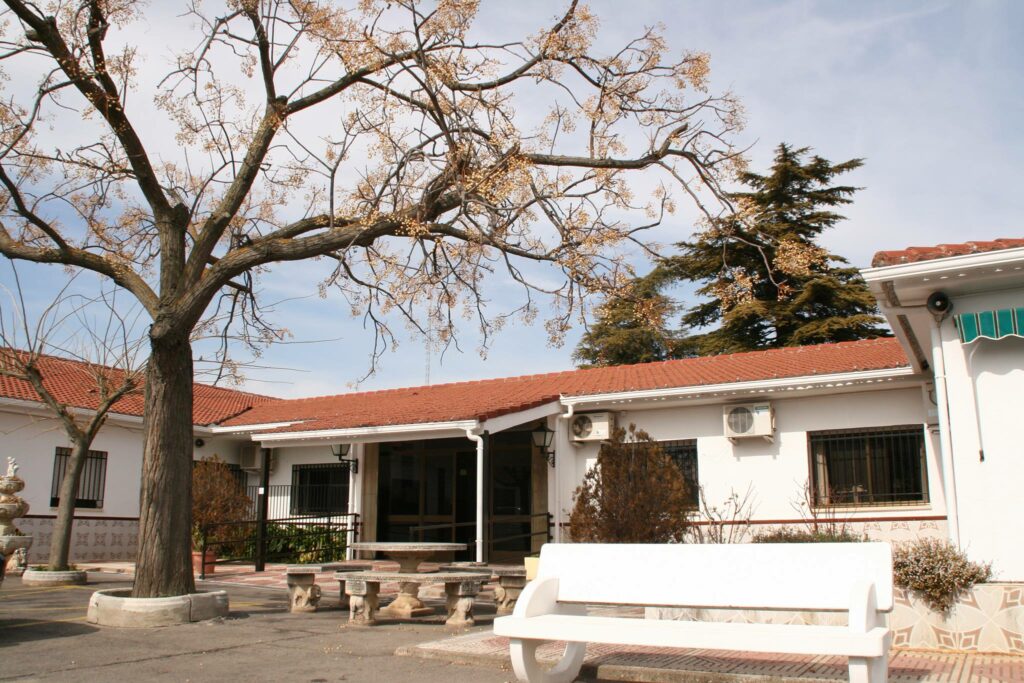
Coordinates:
(295,540)
(493,542)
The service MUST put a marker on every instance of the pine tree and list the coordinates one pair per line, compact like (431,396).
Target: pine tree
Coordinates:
(631,329)
(767,281)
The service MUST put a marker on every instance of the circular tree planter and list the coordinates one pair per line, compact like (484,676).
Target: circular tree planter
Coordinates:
(116,607)
(45,577)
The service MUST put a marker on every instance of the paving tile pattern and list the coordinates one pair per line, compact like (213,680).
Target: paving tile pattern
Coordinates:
(616,662)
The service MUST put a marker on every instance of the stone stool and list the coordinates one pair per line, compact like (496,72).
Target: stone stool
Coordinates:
(511,581)
(341,578)
(303,593)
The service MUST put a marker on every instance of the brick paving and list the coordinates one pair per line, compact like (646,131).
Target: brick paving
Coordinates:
(625,663)
(657,665)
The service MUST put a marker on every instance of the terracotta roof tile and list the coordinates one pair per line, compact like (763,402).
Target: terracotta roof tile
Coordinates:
(74,383)
(490,398)
(915,254)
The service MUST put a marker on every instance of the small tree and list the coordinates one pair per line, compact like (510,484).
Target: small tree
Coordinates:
(635,494)
(102,356)
(217,497)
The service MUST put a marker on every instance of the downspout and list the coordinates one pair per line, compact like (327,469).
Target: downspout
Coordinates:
(570,409)
(479,492)
(945,433)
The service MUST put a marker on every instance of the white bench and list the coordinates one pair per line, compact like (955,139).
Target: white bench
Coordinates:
(842,577)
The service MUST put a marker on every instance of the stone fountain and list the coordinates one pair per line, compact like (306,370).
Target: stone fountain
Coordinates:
(13,543)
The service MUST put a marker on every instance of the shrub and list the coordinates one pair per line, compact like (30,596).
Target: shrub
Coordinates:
(936,571)
(634,494)
(218,497)
(302,544)
(784,534)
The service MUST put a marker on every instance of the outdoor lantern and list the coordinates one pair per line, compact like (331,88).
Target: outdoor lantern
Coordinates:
(542,438)
(340,450)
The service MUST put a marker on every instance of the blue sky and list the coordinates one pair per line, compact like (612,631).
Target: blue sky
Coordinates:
(931,94)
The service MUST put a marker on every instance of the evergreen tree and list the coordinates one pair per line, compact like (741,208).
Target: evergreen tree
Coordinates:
(631,329)
(767,282)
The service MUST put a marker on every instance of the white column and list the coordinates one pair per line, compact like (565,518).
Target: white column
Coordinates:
(479,493)
(945,441)
(355,495)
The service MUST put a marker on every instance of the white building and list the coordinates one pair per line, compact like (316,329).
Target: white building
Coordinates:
(899,437)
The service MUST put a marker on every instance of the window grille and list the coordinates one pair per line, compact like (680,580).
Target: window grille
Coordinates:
(868,467)
(320,489)
(684,454)
(91,483)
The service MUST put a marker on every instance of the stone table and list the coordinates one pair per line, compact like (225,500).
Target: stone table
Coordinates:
(460,587)
(409,557)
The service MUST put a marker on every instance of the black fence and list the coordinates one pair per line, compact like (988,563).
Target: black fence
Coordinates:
(512,534)
(272,532)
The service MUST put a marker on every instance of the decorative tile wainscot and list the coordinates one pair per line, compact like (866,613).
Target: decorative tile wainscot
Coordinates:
(989,618)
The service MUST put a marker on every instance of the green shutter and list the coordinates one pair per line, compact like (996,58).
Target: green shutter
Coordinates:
(997,324)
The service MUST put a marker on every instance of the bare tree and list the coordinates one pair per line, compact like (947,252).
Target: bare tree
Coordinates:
(104,357)
(387,136)
(727,522)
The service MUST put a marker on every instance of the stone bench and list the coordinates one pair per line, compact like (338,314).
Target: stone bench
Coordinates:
(855,578)
(303,593)
(363,589)
(511,581)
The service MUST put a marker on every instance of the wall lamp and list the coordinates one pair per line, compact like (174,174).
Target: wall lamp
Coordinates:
(542,438)
(340,450)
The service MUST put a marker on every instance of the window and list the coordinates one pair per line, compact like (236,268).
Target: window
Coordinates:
(684,453)
(320,489)
(879,466)
(91,482)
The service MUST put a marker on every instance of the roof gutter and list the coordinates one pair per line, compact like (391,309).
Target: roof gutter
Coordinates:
(361,433)
(945,264)
(801,383)
(256,427)
(120,419)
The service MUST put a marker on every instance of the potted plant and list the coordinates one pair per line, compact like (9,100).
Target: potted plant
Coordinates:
(217,499)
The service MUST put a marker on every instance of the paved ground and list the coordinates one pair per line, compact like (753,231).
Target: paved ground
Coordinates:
(44,637)
(671,665)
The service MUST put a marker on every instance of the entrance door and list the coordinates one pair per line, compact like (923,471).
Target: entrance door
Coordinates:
(427,492)
(511,482)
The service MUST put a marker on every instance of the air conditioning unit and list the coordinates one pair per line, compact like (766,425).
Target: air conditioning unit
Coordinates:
(592,427)
(749,420)
(250,458)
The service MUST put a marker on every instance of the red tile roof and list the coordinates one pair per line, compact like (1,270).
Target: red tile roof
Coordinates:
(74,383)
(915,254)
(490,398)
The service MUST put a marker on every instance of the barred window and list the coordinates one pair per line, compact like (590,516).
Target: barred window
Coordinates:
(684,453)
(875,466)
(91,483)
(320,489)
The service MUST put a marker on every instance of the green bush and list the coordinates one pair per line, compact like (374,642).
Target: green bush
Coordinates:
(304,544)
(936,571)
(784,534)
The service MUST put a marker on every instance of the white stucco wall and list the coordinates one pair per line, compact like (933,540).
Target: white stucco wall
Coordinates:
(985,383)
(775,472)
(32,440)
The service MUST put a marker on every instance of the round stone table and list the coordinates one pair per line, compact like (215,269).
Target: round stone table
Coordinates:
(409,557)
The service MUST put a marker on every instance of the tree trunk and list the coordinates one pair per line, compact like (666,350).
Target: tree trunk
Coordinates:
(164,564)
(60,543)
